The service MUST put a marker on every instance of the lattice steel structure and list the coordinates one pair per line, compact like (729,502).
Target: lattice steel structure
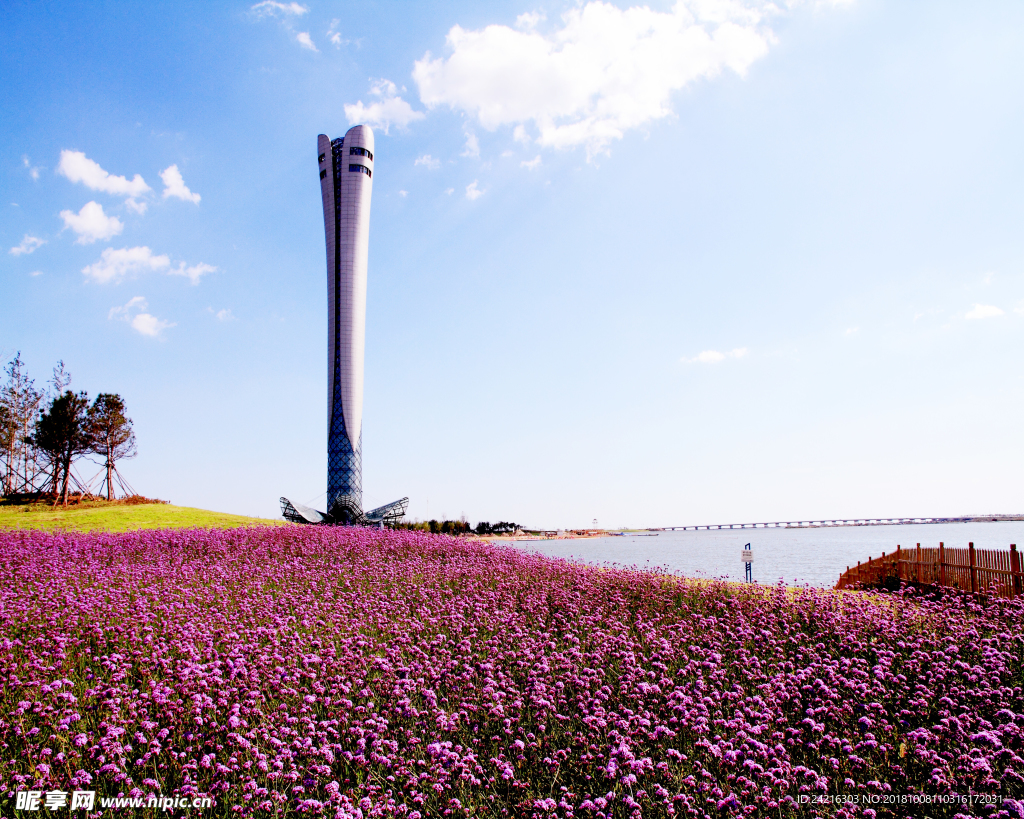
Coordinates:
(298,513)
(349,514)
(388,513)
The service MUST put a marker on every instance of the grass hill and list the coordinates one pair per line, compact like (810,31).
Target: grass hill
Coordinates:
(117,516)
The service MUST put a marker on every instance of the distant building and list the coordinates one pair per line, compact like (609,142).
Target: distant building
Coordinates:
(346,183)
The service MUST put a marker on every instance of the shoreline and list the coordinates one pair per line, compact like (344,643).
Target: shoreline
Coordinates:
(654,531)
(572,535)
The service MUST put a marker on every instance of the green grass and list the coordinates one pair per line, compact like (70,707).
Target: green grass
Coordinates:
(115,517)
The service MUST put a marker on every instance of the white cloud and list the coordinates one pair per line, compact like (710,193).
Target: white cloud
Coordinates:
(472,191)
(149,325)
(36,273)
(77,167)
(429,161)
(983,311)
(175,186)
(137,303)
(287,13)
(270,8)
(529,21)
(403,194)
(142,322)
(714,356)
(472,146)
(390,109)
(33,172)
(604,71)
(519,135)
(224,315)
(334,36)
(91,223)
(28,245)
(194,273)
(449,191)
(710,357)
(114,265)
(532,163)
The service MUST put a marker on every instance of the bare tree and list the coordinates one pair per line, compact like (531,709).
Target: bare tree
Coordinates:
(20,402)
(8,436)
(61,379)
(112,435)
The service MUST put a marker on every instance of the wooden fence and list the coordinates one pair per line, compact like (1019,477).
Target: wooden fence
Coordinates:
(985,571)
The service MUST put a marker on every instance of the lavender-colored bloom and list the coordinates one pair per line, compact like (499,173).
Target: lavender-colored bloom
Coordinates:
(358,673)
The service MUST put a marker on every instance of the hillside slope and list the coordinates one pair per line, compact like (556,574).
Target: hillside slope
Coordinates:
(116,517)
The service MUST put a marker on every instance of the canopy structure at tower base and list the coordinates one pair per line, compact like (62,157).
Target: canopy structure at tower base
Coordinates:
(345,512)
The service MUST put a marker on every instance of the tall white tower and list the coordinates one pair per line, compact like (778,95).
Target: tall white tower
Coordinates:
(346,182)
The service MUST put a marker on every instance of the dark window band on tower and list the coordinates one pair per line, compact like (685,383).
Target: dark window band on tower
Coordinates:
(360,169)
(323,174)
(360,152)
(321,158)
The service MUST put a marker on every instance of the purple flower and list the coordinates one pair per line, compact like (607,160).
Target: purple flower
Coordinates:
(324,671)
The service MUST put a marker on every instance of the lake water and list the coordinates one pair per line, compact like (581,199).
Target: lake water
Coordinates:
(814,557)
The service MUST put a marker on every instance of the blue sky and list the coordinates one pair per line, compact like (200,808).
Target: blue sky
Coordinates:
(654,265)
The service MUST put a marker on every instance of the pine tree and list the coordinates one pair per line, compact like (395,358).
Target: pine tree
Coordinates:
(63,434)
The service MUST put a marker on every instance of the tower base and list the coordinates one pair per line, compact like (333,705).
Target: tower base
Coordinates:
(345,512)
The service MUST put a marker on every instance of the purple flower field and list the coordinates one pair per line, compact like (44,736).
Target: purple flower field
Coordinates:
(347,672)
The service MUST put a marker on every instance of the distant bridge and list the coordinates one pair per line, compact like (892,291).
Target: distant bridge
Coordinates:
(831,522)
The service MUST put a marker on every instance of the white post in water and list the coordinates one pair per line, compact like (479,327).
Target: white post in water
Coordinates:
(748,557)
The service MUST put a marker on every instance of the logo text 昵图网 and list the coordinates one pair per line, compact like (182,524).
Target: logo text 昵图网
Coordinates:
(87,800)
